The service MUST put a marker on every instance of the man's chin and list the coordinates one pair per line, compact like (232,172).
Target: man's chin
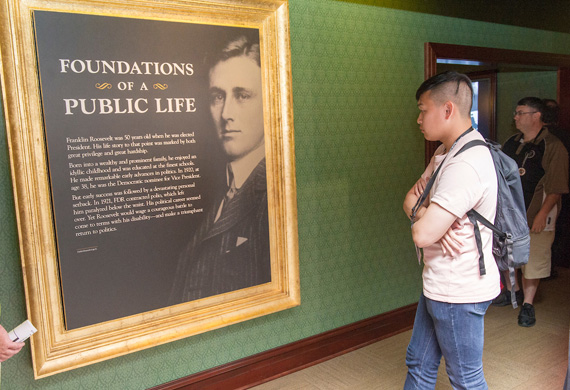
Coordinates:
(231,153)
(235,150)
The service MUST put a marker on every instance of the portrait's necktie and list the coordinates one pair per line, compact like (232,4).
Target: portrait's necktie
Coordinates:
(232,186)
(229,194)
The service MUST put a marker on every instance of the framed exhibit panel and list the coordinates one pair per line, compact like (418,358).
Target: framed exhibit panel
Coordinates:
(152,155)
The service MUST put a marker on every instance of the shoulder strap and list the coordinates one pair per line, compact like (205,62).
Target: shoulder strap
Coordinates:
(474,216)
(470,144)
(478,241)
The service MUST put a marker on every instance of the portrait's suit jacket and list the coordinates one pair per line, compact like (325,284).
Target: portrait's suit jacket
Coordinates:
(231,253)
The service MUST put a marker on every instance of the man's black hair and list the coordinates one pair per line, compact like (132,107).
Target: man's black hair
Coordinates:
(443,78)
(533,102)
(449,86)
(245,43)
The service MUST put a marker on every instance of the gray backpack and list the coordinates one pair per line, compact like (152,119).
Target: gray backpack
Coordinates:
(511,240)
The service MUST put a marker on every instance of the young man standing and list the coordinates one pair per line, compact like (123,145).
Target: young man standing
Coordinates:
(543,166)
(455,297)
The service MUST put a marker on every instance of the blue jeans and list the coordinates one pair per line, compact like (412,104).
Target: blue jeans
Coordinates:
(454,330)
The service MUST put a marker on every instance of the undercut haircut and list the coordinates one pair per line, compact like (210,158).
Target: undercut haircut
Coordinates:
(449,86)
(533,102)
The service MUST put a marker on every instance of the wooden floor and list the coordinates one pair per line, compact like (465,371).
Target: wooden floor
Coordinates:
(514,357)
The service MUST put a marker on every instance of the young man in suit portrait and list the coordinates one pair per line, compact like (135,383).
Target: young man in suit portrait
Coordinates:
(230,249)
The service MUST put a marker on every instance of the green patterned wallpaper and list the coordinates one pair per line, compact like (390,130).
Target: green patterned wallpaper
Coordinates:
(355,71)
(523,13)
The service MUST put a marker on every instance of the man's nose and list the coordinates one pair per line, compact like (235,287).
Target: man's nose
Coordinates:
(228,111)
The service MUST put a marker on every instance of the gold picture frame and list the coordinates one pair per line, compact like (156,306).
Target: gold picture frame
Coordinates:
(57,347)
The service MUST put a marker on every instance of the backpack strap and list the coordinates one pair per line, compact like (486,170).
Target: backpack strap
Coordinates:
(470,144)
(477,232)
(511,262)
(475,217)
(488,224)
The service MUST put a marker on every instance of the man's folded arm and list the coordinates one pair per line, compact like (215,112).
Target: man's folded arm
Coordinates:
(432,225)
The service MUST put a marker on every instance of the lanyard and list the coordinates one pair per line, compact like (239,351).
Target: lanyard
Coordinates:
(529,153)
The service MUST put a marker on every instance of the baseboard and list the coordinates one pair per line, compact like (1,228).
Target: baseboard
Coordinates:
(280,361)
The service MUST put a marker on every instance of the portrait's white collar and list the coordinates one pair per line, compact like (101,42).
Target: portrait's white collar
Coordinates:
(243,167)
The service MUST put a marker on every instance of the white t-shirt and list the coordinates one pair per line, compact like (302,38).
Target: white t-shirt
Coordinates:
(467,181)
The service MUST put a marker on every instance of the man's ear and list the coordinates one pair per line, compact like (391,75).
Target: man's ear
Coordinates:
(448,107)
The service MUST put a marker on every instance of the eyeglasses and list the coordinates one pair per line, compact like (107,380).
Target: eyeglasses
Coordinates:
(519,113)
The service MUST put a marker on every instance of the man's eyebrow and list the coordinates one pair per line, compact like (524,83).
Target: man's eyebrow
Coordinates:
(216,89)
(238,90)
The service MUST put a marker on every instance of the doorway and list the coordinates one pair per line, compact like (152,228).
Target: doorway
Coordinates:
(495,60)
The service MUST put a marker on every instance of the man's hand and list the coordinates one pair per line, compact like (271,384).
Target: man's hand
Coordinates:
(539,222)
(433,225)
(419,187)
(412,197)
(8,348)
(451,242)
